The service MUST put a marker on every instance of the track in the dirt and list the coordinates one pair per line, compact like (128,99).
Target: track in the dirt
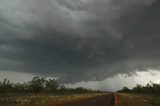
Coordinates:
(105,100)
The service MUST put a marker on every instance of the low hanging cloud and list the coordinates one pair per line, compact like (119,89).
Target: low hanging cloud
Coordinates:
(79,40)
(119,81)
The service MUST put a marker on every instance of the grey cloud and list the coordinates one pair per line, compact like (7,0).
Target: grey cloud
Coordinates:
(79,39)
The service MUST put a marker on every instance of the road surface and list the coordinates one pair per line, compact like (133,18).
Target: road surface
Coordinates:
(118,101)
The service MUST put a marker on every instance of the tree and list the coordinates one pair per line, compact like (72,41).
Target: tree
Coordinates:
(138,88)
(80,90)
(125,89)
(51,85)
(63,89)
(22,88)
(37,84)
(5,87)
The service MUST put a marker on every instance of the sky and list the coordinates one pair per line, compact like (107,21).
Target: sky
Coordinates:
(81,42)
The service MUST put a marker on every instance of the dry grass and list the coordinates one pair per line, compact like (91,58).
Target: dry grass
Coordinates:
(43,100)
(140,100)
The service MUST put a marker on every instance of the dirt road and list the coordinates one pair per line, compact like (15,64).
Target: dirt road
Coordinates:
(118,101)
(105,100)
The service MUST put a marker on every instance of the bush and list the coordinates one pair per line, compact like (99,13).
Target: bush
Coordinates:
(39,85)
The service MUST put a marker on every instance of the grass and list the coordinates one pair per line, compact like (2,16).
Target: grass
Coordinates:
(143,99)
(43,100)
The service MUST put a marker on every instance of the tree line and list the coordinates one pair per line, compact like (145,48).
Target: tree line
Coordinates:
(150,88)
(39,85)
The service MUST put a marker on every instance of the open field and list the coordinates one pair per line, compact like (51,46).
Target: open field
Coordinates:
(46,100)
(91,99)
(102,100)
(138,99)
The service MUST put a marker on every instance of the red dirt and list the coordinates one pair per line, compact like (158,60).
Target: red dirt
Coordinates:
(104,100)
(118,100)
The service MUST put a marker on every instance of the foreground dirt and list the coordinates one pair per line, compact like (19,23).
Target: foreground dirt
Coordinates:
(104,100)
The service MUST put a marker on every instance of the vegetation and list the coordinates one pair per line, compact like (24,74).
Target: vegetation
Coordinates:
(150,88)
(41,91)
(148,94)
(130,99)
(38,85)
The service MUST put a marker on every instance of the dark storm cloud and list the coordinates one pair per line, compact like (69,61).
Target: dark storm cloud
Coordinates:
(79,39)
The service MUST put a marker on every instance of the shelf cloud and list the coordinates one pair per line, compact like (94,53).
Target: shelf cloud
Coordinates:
(79,40)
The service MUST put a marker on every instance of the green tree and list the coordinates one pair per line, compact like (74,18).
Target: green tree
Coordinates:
(21,88)
(37,84)
(80,90)
(125,89)
(62,89)
(5,87)
(51,85)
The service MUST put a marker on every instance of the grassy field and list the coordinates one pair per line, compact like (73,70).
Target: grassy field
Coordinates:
(44,100)
(140,100)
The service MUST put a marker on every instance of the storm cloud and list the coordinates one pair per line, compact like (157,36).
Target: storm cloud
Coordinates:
(79,40)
